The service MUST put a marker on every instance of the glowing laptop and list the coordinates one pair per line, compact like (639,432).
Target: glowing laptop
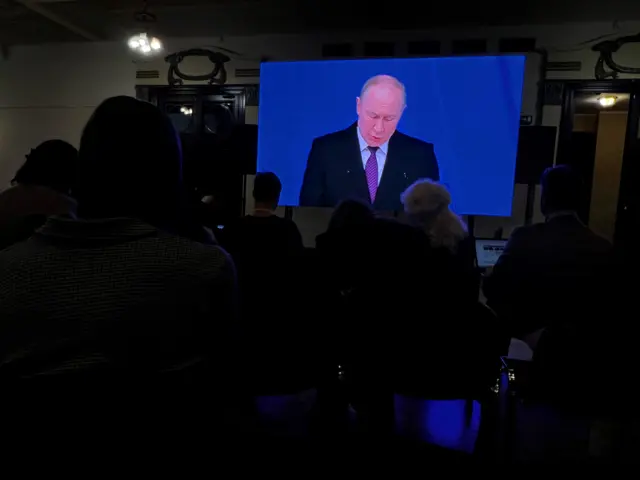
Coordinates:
(488,251)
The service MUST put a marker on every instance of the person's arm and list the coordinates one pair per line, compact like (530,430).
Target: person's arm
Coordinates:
(312,191)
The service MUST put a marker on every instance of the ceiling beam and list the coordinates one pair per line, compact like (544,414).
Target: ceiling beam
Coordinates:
(44,12)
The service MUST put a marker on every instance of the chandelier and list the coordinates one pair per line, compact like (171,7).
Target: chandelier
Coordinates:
(144,44)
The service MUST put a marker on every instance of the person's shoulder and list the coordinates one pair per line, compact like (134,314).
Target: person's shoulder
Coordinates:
(203,259)
(286,225)
(591,239)
(238,227)
(334,137)
(249,222)
(527,230)
(290,224)
(412,142)
(400,230)
(280,220)
(572,231)
(236,223)
(18,253)
(599,243)
(68,204)
(524,237)
(11,191)
(322,240)
(9,197)
(273,221)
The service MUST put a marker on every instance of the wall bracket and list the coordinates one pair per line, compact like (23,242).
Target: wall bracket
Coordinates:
(606,50)
(217,76)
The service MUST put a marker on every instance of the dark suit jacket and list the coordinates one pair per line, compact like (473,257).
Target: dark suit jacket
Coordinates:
(550,273)
(334,170)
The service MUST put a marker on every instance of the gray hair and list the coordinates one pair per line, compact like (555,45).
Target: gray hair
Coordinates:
(385,80)
(426,204)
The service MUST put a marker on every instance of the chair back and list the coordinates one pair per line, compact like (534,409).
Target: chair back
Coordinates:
(286,415)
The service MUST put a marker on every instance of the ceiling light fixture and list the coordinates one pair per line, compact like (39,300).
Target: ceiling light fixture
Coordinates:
(143,42)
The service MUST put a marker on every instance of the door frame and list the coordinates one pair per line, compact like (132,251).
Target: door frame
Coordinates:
(628,172)
(245,95)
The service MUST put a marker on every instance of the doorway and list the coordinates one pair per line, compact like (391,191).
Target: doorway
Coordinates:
(207,118)
(598,135)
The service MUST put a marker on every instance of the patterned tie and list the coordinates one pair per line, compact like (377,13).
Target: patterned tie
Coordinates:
(371,170)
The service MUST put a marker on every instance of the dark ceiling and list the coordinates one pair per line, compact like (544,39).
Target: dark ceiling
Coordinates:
(34,22)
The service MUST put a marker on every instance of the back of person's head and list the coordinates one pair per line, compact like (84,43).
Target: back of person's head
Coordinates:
(267,188)
(350,213)
(51,164)
(130,163)
(561,189)
(426,204)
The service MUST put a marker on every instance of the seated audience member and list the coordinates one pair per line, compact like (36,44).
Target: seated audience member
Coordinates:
(279,331)
(553,270)
(359,248)
(340,250)
(40,188)
(118,290)
(449,325)
(350,215)
(361,255)
(555,287)
(451,259)
(340,269)
(371,269)
(350,219)
(262,231)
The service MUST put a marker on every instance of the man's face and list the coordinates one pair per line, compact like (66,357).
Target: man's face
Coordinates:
(379,111)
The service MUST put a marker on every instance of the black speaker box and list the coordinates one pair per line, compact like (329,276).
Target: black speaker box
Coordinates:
(536,152)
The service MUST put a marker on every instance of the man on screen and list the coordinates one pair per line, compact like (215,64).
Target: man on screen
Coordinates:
(369,160)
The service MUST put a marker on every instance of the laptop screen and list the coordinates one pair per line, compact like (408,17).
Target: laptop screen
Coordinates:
(488,251)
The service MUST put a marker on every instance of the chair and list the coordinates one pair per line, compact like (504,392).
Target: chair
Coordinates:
(558,410)
(439,401)
(286,415)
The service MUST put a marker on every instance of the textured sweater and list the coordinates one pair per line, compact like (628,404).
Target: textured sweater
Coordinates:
(111,294)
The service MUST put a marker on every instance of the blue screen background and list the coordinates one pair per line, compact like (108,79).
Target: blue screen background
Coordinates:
(468,107)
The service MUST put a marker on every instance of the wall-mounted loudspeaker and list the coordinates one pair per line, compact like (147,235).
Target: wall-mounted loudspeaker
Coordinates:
(241,147)
(536,152)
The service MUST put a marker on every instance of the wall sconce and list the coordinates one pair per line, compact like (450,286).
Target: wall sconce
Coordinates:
(607,101)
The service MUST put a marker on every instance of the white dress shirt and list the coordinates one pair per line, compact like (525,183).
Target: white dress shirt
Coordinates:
(381,154)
